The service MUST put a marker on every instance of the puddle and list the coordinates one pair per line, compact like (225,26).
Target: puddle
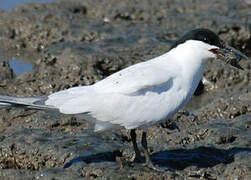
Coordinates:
(10,4)
(19,66)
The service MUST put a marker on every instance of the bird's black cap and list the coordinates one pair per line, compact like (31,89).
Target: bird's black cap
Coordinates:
(201,34)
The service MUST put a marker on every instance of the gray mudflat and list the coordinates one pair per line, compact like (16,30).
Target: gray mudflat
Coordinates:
(73,43)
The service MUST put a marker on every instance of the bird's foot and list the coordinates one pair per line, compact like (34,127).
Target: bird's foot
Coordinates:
(157,168)
(139,159)
(152,167)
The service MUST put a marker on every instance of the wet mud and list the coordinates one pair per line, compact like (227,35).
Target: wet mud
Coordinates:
(72,43)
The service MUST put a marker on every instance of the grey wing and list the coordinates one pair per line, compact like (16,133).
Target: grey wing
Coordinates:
(25,102)
(133,81)
(137,79)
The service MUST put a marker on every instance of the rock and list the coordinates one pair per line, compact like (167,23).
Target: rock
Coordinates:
(81,42)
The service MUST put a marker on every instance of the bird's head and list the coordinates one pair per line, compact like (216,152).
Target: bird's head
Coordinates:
(210,45)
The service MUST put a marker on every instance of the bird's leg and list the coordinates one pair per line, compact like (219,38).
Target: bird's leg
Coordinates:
(148,161)
(135,146)
(146,153)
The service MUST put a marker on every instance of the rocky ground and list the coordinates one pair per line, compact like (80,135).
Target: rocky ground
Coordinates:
(77,42)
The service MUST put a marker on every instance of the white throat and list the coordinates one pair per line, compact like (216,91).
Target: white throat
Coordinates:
(192,56)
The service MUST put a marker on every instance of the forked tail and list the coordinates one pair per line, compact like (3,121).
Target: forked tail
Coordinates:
(25,102)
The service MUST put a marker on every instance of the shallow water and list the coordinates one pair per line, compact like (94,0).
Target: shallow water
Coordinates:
(19,66)
(10,4)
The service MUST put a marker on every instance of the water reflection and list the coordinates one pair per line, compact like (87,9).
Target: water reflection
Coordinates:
(10,4)
(19,66)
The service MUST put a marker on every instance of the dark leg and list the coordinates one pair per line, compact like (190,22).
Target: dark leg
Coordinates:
(145,148)
(148,161)
(135,146)
(146,153)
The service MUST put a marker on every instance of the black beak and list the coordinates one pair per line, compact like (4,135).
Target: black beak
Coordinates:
(230,55)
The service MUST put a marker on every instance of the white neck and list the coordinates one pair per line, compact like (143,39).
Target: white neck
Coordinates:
(191,56)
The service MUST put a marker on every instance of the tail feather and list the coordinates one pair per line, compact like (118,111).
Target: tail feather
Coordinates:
(25,102)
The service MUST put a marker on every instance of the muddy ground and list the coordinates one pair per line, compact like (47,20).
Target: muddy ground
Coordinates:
(73,43)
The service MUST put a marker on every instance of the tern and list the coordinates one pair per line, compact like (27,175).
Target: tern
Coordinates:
(143,94)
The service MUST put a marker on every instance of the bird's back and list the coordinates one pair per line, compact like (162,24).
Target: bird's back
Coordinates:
(137,96)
